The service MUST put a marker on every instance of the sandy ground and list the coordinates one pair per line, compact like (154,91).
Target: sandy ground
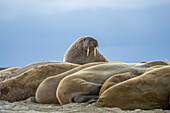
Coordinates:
(29,106)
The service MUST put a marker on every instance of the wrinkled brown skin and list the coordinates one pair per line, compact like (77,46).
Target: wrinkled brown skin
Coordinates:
(148,91)
(85,84)
(9,70)
(46,91)
(23,69)
(77,53)
(115,79)
(25,85)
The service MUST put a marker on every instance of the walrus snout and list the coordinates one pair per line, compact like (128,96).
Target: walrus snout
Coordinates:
(93,43)
(90,42)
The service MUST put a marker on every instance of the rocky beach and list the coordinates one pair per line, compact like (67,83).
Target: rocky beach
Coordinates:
(29,106)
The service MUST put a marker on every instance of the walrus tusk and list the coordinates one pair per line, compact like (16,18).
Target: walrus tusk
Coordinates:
(95,51)
(167,61)
(88,51)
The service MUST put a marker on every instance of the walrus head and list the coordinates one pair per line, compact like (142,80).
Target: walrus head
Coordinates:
(84,51)
(89,44)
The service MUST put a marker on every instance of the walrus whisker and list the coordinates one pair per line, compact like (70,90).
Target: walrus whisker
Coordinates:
(95,52)
(88,51)
(167,61)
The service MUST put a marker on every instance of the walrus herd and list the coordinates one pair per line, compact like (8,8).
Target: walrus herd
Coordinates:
(85,75)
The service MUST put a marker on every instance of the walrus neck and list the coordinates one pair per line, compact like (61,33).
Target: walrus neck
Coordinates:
(100,57)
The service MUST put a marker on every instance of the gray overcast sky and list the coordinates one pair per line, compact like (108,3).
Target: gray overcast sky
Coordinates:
(127,30)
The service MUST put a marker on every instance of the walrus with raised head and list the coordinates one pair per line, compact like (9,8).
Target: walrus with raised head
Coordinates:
(84,51)
(148,91)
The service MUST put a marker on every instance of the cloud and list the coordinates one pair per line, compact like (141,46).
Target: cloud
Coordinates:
(11,9)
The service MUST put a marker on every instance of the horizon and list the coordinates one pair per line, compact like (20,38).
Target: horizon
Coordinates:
(127,31)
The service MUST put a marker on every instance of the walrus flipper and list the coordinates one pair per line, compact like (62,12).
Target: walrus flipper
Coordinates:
(91,97)
(86,98)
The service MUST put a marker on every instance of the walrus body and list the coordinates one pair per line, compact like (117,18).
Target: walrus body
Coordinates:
(115,79)
(85,84)
(46,91)
(19,71)
(153,63)
(148,91)
(25,85)
(84,51)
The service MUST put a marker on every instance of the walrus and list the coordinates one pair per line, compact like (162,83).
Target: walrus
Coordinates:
(84,51)
(46,91)
(152,63)
(115,79)
(148,64)
(148,91)
(24,85)
(85,84)
(6,76)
